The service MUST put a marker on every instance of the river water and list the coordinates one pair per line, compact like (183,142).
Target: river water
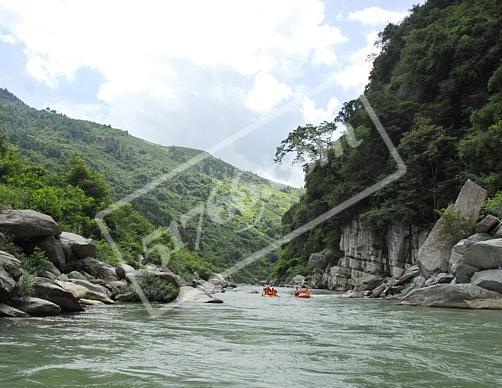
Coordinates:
(326,341)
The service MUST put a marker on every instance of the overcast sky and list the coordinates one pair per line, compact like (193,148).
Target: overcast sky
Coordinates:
(192,73)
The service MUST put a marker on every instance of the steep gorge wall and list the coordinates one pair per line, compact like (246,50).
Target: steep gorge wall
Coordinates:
(370,255)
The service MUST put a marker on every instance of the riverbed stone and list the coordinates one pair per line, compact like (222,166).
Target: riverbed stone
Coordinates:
(480,256)
(77,247)
(23,224)
(11,312)
(36,307)
(48,290)
(450,295)
(490,279)
(434,254)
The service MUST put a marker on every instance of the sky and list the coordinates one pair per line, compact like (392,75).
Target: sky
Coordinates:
(192,73)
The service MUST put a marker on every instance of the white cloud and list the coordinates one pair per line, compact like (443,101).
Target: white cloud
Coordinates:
(377,15)
(6,38)
(266,93)
(354,75)
(315,115)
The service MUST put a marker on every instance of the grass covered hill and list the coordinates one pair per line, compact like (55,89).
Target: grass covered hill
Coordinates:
(239,211)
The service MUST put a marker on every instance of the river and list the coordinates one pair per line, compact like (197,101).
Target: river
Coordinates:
(254,341)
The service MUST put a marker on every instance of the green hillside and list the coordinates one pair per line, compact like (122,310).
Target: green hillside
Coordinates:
(241,211)
(436,87)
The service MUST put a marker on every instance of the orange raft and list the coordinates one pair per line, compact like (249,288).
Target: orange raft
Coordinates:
(303,294)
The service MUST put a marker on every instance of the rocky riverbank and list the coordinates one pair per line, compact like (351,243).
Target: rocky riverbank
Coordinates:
(76,277)
(418,267)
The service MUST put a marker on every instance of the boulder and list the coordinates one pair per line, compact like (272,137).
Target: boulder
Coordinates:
(76,275)
(217,280)
(36,307)
(63,277)
(122,270)
(318,260)
(93,287)
(48,290)
(11,312)
(410,273)
(434,254)
(378,291)
(49,275)
(10,272)
(354,294)
(440,278)
(22,224)
(96,268)
(298,280)
(77,247)
(81,292)
(498,232)
(490,279)
(53,249)
(451,295)
(370,283)
(115,285)
(191,295)
(480,256)
(487,224)
(459,249)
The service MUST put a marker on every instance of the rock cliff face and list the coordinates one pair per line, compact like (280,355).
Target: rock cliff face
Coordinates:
(369,255)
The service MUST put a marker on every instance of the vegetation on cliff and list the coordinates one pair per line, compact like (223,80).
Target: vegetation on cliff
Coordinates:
(437,88)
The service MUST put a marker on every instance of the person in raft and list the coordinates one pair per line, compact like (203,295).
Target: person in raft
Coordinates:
(305,291)
(296,292)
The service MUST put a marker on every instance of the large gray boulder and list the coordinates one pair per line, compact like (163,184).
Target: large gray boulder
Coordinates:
(458,251)
(480,256)
(53,250)
(87,284)
(10,272)
(96,268)
(36,307)
(490,279)
(122,270)
(11,312)
(190,295)
(48,290)
(77,247)
(21,224)
(434,254)
(453,295)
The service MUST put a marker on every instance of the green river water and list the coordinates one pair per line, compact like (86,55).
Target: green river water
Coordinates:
(327,341)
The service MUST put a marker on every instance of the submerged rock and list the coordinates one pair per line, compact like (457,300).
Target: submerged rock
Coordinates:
(36,307)
(453,295)
(22,224)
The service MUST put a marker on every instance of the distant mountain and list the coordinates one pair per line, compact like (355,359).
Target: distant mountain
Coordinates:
(239,211)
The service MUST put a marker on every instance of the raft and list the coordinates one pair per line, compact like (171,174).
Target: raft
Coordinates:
(303,296)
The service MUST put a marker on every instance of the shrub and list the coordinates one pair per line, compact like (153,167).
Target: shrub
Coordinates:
(153,287)
(456,226)
(25,285)
(36,263)
(494,204)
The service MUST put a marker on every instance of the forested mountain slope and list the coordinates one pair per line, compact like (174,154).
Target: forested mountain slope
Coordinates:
(437,88)
(240,212)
